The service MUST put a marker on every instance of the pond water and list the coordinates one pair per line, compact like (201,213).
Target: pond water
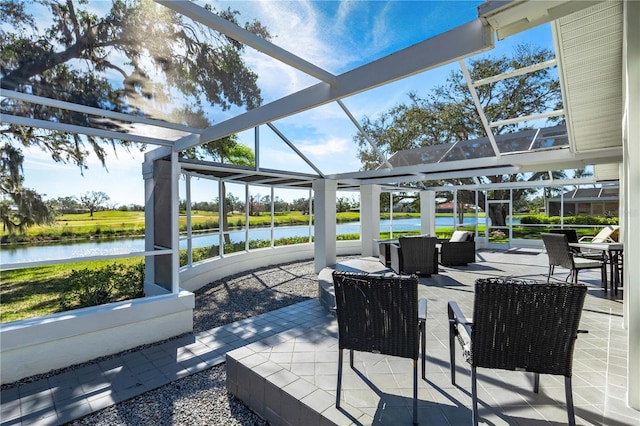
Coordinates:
(28,253)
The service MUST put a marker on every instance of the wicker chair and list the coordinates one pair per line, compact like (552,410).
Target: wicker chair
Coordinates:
(380,314)
(519,325)
(414,255)
(384,255)
(572,237)
(560,254)
(459,250)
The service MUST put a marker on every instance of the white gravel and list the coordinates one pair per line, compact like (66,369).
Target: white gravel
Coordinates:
(199,399)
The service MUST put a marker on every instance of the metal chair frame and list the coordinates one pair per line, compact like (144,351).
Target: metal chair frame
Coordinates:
(380,314)
(519,325)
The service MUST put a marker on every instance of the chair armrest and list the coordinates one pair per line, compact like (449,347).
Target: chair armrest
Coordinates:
(396,258)
(460,328)
(457,318)
(586,238)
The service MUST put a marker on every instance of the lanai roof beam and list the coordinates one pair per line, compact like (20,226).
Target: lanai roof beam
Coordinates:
(211,20)
(463,41)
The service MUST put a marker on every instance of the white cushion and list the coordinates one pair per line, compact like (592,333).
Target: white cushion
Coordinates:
(460,236)
(582,263)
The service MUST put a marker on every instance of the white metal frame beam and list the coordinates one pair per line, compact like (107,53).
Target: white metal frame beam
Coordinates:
(554,159)
(295,149)
(479,109)
(365,135)
(72,128)
(99,112)
(466,40)
(211,20)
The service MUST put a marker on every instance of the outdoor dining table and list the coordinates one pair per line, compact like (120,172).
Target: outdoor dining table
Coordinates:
(614,253)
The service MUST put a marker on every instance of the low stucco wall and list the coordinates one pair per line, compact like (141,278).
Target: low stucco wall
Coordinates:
(42,344)
(202,273)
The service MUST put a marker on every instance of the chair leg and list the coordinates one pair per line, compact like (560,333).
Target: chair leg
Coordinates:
(550,272)
(423,338)
(474,397)
(536,382)
(452,354)
(570,411)
(339,387)
(351,358)
(415,391)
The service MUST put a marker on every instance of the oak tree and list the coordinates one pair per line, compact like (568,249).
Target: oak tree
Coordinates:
(129,56)
(447,114)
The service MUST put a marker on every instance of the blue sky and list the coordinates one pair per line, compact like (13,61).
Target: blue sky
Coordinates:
(337,36)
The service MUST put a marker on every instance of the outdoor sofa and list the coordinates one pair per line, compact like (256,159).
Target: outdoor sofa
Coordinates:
(460,249)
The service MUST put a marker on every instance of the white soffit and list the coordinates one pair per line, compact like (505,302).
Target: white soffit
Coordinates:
(606,171)
(511,17)
(589,53)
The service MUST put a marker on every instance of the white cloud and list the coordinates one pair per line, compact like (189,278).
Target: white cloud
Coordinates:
(328,148)
(121,181)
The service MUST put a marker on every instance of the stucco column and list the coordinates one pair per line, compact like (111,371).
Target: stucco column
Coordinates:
(369,218)
(159,179)
(631,184)
(324,223)
(428,212)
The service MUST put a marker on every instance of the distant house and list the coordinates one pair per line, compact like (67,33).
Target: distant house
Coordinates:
(404,206)
(602,201)
(448,207)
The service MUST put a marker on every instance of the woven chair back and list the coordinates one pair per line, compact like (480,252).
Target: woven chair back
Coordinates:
(558,250)
(377,314)
(526,325)
(418,250)
(572,234)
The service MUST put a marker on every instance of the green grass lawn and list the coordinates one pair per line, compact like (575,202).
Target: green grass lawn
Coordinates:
(111,224)
(33,292)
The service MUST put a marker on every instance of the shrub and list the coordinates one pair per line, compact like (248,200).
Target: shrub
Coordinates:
(92,287)
(540,219)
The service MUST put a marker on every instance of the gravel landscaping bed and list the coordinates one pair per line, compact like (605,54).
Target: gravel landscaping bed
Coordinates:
(202,398)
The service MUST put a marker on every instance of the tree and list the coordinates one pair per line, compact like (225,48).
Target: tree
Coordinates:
(94,200)
(280,205)
(66,204)
(20,207)
(300,204)
(255,205)
(343,204)
(130,56)
(447,114)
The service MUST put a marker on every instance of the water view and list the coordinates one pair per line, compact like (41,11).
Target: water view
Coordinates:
(56,251)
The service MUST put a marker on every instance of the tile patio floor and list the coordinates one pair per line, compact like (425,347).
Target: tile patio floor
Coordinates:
(283,364)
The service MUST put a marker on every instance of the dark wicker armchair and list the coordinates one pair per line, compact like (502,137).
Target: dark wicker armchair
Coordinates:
(572,237)
(519,325)
(459,250)
(560,254)
(384,255)
(380,314)
(414,255)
